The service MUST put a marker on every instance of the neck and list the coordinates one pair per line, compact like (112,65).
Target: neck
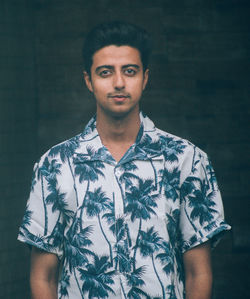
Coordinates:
(122,130)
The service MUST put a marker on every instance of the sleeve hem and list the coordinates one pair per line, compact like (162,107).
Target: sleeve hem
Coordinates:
(41,245)
(215,236)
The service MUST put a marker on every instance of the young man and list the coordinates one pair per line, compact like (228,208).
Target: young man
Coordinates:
(123,210)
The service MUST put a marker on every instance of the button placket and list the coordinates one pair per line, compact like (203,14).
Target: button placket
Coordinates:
(118,200)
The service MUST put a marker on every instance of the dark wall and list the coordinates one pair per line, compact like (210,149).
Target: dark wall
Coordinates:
(18,118)
(199,89)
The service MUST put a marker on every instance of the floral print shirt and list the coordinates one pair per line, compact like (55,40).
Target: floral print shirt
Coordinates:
(120,228)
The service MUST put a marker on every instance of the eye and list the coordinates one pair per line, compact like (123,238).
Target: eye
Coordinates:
(130,72)
(104,73)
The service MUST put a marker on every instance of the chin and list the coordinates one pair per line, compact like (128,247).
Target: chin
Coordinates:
(121,113)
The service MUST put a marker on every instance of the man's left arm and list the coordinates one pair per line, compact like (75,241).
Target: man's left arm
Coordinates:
(198,272)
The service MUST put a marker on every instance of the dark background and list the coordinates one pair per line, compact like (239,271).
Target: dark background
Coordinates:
(199,89)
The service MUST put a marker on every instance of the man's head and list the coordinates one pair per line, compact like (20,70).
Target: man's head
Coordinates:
(116,61)
(118,34)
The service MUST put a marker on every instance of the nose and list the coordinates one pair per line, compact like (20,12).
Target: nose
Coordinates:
(119,82)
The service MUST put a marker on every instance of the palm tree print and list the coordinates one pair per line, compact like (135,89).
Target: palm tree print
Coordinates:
(97,279)
(171,183)
(76,252)
(64,284)
(122,258)
(97,203)
(128,174)
(59,204)
(66,150)
(27,217)
(77,242)
(154,149)
(172,148)
(175,237)
(123,261)
(140,205)
(166,258)
(109,216)
(188,186)
(49,171)
(88,170)
(128,170)
(120,230)
(126,178)
(57,200)
(173,219)
(26,221)
(202,204)
(36,240)
(211,174)
(33,179)
(150,146)
(43,171)
(190,242)
(150,242)
(135,281)
(116,225)
(171,291)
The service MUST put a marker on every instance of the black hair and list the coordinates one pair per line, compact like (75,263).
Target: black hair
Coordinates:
(119,34)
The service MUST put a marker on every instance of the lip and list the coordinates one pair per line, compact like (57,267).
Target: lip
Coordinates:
(119,97)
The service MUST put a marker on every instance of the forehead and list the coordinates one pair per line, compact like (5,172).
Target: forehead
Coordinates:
(116,55)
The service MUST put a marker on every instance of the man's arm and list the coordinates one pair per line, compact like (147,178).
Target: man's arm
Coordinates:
(198,272)
(43,274)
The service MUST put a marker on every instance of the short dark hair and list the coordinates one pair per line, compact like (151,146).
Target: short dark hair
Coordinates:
(119,34)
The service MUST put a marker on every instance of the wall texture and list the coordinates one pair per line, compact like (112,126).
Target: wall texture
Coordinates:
(18,131)
(199,89)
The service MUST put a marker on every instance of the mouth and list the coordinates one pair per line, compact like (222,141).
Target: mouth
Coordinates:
(119,97)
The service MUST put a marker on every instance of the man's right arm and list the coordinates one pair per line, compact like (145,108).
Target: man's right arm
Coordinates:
(43,274)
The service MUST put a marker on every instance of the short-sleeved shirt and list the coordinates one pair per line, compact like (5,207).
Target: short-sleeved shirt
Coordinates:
(120,228)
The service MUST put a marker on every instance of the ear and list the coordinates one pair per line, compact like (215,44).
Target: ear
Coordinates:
(88,81)
(145,78)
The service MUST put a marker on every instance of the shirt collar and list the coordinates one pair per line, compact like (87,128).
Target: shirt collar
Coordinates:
(146,147)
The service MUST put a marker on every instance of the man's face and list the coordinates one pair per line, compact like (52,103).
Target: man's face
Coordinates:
(117,80)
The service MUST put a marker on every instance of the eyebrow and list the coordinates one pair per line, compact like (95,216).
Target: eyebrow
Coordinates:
(110,67)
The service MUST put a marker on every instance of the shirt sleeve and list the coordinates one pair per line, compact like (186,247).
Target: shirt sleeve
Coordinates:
(201,211)
(42,224)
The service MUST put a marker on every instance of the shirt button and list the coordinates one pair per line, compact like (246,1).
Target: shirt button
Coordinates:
(118,172)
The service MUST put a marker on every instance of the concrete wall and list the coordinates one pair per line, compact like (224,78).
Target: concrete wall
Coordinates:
(199,89)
